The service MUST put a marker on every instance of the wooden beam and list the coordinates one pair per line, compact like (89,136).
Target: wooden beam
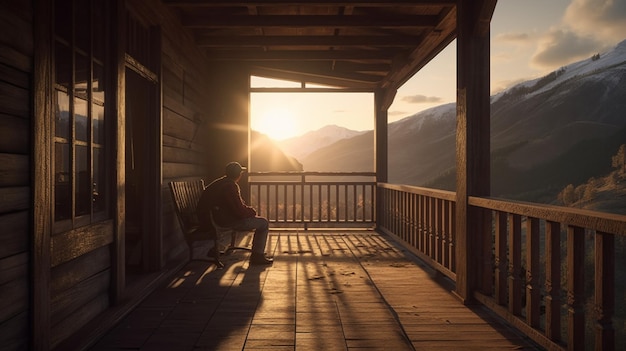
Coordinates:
(321,68)
(300,55)
(355,3)
(304,41)
(472,147)
(313,74)
(43,109)
(311,21)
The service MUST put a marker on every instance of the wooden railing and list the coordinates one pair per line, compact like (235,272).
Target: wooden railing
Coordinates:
(550,271)
(554,273)
(423,219)
(314,199)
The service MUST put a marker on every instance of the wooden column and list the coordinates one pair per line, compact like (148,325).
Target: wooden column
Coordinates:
(380,143)
(42,181)
(472,140)
(118,259)
(381,146)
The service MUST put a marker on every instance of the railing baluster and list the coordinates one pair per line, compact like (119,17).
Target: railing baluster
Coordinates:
(438,226)
(414,224)
(500,258)
(452,237)
(515,257)
(575,288)
(605,291)
(423,224)
(445,237)
(532,272)
(553,281)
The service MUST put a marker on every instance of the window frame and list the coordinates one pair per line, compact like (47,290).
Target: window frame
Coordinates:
(95,98)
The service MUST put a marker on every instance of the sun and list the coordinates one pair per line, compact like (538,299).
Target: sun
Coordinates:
(277,123)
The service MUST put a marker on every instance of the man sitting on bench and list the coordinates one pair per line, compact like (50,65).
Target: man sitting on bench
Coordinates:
(222,199)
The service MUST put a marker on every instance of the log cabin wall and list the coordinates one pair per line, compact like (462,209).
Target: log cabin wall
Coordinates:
(15,162)
(76,269)
(204,114)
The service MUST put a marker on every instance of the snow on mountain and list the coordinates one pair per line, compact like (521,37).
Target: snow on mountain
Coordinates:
(591,66)
(301,146)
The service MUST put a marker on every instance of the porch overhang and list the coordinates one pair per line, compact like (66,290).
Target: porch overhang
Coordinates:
(353,44)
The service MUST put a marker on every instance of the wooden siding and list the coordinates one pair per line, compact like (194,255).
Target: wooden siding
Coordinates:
(186,96)
(15,111)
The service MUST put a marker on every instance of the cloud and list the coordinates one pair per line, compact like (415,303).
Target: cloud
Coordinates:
(560,47)
(421,99)
(513,38)
(604,19)
(397,113)
(587,27)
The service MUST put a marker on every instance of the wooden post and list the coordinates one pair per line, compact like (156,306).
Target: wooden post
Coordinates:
(605,291)
(472,140)
(515,264)
(501,259)
(532,272)
(553,281)
(380,144)
(42,159)
(118,259)
(575,288)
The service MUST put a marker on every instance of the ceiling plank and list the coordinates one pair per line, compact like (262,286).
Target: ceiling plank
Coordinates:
(307,21)
(303,41)
(360,3)
(300,55)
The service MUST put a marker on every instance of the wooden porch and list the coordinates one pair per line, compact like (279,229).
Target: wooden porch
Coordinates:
(327,290)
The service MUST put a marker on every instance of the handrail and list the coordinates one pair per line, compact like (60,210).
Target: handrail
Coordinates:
(535,266)
(321,199)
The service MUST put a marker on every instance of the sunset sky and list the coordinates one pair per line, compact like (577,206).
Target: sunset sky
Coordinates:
(529,39)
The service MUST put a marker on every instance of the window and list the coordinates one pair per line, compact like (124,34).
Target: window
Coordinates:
(81,170)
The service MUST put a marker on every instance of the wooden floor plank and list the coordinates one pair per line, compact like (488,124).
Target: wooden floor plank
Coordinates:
(325,291)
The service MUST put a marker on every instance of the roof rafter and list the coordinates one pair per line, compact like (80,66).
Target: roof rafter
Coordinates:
(300,41)
(300,55)
(361,3)
(305,21)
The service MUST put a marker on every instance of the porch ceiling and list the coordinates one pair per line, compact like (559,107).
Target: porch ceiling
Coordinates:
(362,44)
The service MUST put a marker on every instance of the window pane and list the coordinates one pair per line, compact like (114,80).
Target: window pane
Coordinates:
(62,115)
(83,75)
(82,31)
(97,84)
(83,181)
(63,65)
(99,180)
(81,120)
(98,123)
(62,182)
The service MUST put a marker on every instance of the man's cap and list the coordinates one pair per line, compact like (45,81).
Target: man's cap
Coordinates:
(234,169)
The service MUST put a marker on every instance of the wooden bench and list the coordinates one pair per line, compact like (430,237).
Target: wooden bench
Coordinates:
(186,195)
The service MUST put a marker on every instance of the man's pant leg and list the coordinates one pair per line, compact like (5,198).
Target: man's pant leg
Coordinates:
(261,228)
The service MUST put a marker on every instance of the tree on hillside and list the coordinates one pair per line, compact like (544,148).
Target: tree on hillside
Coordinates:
(619,160)
(568,195)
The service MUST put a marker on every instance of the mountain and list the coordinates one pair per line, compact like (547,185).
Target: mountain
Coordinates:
(545,133)
(266,156)
(301,146)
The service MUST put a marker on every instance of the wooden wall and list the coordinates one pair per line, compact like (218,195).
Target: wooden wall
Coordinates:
(16,50)
(204,120)
(198,104)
